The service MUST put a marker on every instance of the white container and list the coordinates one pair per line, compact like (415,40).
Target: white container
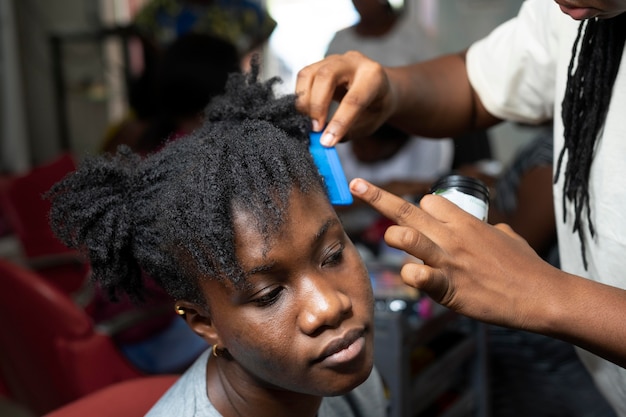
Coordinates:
(470,194)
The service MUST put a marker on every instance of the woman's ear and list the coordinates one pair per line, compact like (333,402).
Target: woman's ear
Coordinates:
(198,318)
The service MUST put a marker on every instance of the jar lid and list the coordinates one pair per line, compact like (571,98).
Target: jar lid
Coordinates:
(468,185)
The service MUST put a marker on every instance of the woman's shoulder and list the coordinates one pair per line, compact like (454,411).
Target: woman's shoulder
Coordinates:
(187,397)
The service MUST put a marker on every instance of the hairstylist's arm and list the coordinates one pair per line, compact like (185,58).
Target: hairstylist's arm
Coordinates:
(432,98)
(491,274)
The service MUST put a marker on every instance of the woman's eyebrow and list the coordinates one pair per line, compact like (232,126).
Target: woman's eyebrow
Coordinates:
(260,269)
(324,229)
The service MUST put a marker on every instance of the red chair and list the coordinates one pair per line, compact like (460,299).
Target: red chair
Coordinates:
(26,212)
(50,351)
(131,398)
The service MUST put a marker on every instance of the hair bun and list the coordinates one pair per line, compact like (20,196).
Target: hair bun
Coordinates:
(92,211)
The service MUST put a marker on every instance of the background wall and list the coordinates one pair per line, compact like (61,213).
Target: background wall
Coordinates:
(14,153)
(35,21)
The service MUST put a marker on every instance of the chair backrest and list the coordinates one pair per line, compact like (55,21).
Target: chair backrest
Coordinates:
(131,398)
(50,353)
(26,212)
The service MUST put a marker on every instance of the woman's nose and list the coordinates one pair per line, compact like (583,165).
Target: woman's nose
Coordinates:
(323,304)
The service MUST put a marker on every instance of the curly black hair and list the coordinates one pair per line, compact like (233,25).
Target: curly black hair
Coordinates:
(170,214)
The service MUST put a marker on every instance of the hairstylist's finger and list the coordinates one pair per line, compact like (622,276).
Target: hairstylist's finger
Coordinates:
(389,205)
(413,242)
(353,80)
(361,109)
(427,279)
(313,98)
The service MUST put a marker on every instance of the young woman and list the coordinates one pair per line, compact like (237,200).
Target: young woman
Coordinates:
(234,222)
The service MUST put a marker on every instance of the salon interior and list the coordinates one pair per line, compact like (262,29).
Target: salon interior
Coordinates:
(65,71)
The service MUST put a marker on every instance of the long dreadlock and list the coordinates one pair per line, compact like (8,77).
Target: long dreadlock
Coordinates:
(599,43)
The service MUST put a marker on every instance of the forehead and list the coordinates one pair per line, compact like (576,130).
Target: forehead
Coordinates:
(303,217)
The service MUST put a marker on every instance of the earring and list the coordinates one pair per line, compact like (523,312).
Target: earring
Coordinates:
(179,310)
(221,353)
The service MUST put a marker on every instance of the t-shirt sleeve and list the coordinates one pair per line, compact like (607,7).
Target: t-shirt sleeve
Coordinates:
(513,68)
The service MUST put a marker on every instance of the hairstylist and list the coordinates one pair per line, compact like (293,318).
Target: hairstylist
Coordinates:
(561,60)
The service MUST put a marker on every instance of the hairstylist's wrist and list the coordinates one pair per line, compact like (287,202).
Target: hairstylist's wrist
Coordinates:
(553,296)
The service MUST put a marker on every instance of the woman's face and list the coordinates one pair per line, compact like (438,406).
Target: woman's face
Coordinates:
(305,321)
(586,9)
(371,9)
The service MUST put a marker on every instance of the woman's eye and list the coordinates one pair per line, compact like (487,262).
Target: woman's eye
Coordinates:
(269,298)
(335,256)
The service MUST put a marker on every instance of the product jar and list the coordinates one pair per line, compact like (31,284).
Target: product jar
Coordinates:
(470,194)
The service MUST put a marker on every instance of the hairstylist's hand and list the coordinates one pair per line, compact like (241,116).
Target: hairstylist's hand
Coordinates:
(485,272)
(359,84)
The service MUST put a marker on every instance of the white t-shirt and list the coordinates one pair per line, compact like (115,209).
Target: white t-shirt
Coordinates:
(520,72)
(426,159)
(404,44)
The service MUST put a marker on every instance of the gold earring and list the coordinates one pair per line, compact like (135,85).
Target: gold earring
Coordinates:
(215,352)
(179,310)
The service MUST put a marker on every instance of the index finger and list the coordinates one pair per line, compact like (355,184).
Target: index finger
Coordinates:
(389,205)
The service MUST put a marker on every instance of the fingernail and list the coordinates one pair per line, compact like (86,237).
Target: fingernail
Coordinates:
(327,139)
(358,187)
(316,126)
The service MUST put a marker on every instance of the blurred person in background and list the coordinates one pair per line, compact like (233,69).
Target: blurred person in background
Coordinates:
(158,25)
(192,70)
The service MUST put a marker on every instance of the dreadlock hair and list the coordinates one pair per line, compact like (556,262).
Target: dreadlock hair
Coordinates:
(170,214)
(598,46)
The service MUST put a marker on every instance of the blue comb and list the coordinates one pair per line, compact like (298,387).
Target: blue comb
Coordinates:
(329,166)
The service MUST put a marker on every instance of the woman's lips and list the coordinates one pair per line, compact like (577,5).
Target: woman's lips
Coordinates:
(344,349)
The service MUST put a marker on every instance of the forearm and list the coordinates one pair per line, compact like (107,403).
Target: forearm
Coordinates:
(585,313)
(435,98)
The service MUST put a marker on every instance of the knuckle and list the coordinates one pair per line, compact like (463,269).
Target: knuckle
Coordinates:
(304,73)
(410,238)
(355,100)
(405,210)
(373,67)
(325,71)
(403,237)
(375,194)
(316,108)
(351,55)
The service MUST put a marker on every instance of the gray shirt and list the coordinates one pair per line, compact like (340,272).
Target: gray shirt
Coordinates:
(188,398)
